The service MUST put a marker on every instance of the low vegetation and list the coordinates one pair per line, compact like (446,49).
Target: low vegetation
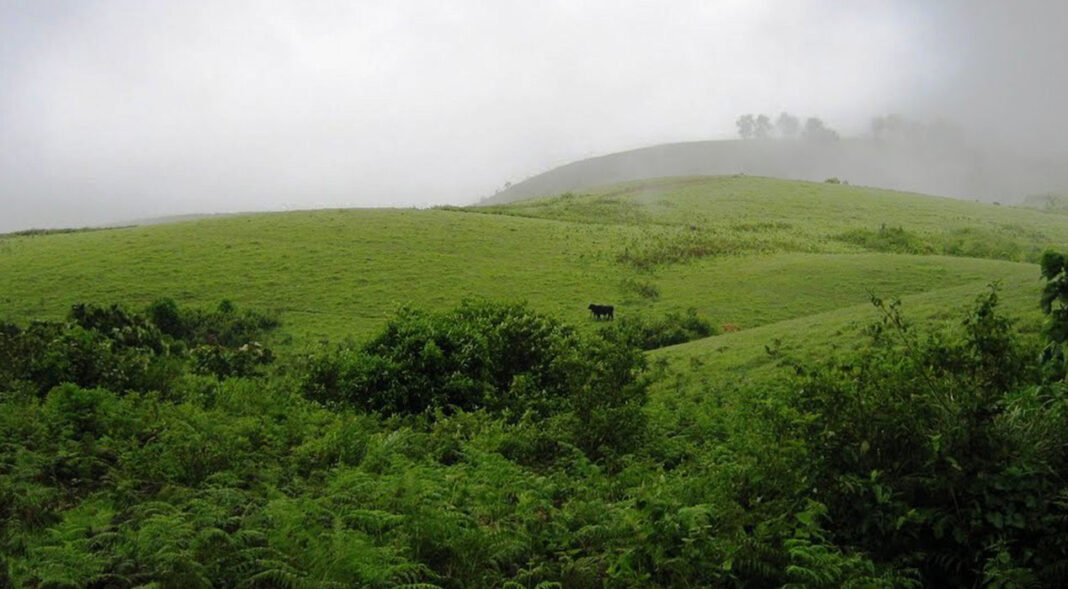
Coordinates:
(659,332)
(493,446)
(349,415)
(965,242)
(502,359)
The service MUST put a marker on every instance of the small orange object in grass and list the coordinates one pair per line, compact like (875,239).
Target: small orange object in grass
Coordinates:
(729,328)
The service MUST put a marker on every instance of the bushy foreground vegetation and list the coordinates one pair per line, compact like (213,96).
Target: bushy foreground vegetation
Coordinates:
(491,446)
(113,348)
(504,359)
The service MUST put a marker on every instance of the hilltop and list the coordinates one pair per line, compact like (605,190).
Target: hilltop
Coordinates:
(946,169)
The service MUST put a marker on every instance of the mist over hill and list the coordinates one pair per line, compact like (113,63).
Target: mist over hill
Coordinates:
(944,168)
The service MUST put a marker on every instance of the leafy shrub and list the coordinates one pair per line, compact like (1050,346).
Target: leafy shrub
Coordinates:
(226,326)
(924,456)
(226,362)
(1054,304)
(167,317)
(125,329)
(113,348)
(667,330)
(46,354)
(502,358)
(79,412)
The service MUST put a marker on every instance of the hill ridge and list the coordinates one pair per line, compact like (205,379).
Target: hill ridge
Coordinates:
(946,169)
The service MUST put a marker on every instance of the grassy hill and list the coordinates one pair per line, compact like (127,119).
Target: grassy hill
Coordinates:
(742,250)
(944,168)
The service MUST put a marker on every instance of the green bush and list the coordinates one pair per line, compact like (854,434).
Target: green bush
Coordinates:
(668,330)
(928,452)
(502,358)
(227,362)
(113,348)
(47,354)
(225,326)
(1054,304)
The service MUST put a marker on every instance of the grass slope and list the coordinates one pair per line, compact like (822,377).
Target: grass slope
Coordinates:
(758,354)
(749,251)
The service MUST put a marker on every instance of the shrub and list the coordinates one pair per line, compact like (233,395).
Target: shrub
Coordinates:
(668,330)
(79,413)
(502,358)
(1054,304)
(113,348)
(47,354)
(227,362)
(929,453)
(167,317)
(225,326)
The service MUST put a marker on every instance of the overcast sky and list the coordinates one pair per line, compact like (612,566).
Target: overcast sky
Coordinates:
(113,110)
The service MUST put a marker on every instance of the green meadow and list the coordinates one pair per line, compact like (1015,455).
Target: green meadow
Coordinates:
(746,251)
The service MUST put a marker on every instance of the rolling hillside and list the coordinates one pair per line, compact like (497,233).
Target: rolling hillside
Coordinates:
(742,250)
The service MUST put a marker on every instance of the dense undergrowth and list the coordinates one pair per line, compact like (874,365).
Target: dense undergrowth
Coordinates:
(492,446)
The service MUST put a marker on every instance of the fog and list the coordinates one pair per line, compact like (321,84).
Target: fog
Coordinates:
(112,111)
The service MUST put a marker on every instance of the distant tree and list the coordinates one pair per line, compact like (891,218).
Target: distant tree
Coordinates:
(746,126)
(787,125)
(816,130)
(762,127)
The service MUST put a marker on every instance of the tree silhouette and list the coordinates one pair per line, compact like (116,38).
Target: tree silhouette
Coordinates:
(746,126)
(787,125)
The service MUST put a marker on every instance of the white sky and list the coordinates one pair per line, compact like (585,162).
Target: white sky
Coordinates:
(113,110)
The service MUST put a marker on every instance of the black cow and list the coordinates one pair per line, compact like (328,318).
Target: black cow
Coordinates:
(602,311)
